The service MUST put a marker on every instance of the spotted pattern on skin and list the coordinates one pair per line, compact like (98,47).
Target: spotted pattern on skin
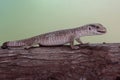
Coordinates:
(60,37)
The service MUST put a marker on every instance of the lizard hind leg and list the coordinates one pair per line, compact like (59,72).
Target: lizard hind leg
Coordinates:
(27,47)
(31,46)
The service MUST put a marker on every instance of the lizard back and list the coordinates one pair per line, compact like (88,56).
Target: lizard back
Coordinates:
(56,38)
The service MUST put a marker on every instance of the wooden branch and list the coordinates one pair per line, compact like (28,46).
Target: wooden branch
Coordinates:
(90,62)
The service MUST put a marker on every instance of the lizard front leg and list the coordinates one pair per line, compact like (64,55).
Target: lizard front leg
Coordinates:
(79,41)
(72,43)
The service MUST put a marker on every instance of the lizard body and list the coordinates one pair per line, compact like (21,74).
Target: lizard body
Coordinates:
(60,37)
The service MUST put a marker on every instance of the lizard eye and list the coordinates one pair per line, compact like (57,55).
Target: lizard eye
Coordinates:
(89,28)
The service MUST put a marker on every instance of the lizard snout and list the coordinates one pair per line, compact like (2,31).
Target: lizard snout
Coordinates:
(104,30)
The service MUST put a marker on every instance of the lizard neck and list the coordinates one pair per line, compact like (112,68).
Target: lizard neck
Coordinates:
(81,31)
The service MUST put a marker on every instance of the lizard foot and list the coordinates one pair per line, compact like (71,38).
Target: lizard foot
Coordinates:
(27,47)
(75,47)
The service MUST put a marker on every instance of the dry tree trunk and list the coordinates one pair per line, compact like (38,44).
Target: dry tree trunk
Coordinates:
(90,62)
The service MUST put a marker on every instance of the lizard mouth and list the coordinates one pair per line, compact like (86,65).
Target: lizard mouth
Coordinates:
(102,31)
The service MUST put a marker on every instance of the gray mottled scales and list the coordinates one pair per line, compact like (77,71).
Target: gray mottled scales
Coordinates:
(60,37)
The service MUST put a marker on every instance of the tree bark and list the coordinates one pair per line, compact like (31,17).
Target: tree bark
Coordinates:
(90,62)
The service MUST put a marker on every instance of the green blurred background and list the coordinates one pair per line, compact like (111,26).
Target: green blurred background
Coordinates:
(21,19)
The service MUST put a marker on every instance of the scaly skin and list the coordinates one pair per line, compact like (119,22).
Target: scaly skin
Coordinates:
(60,37)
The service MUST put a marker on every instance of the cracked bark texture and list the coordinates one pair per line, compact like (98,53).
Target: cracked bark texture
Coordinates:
(90,62)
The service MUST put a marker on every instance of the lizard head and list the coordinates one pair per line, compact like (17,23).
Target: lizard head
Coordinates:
(95,29)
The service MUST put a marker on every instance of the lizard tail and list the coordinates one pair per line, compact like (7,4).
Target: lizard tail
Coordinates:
(5,45)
